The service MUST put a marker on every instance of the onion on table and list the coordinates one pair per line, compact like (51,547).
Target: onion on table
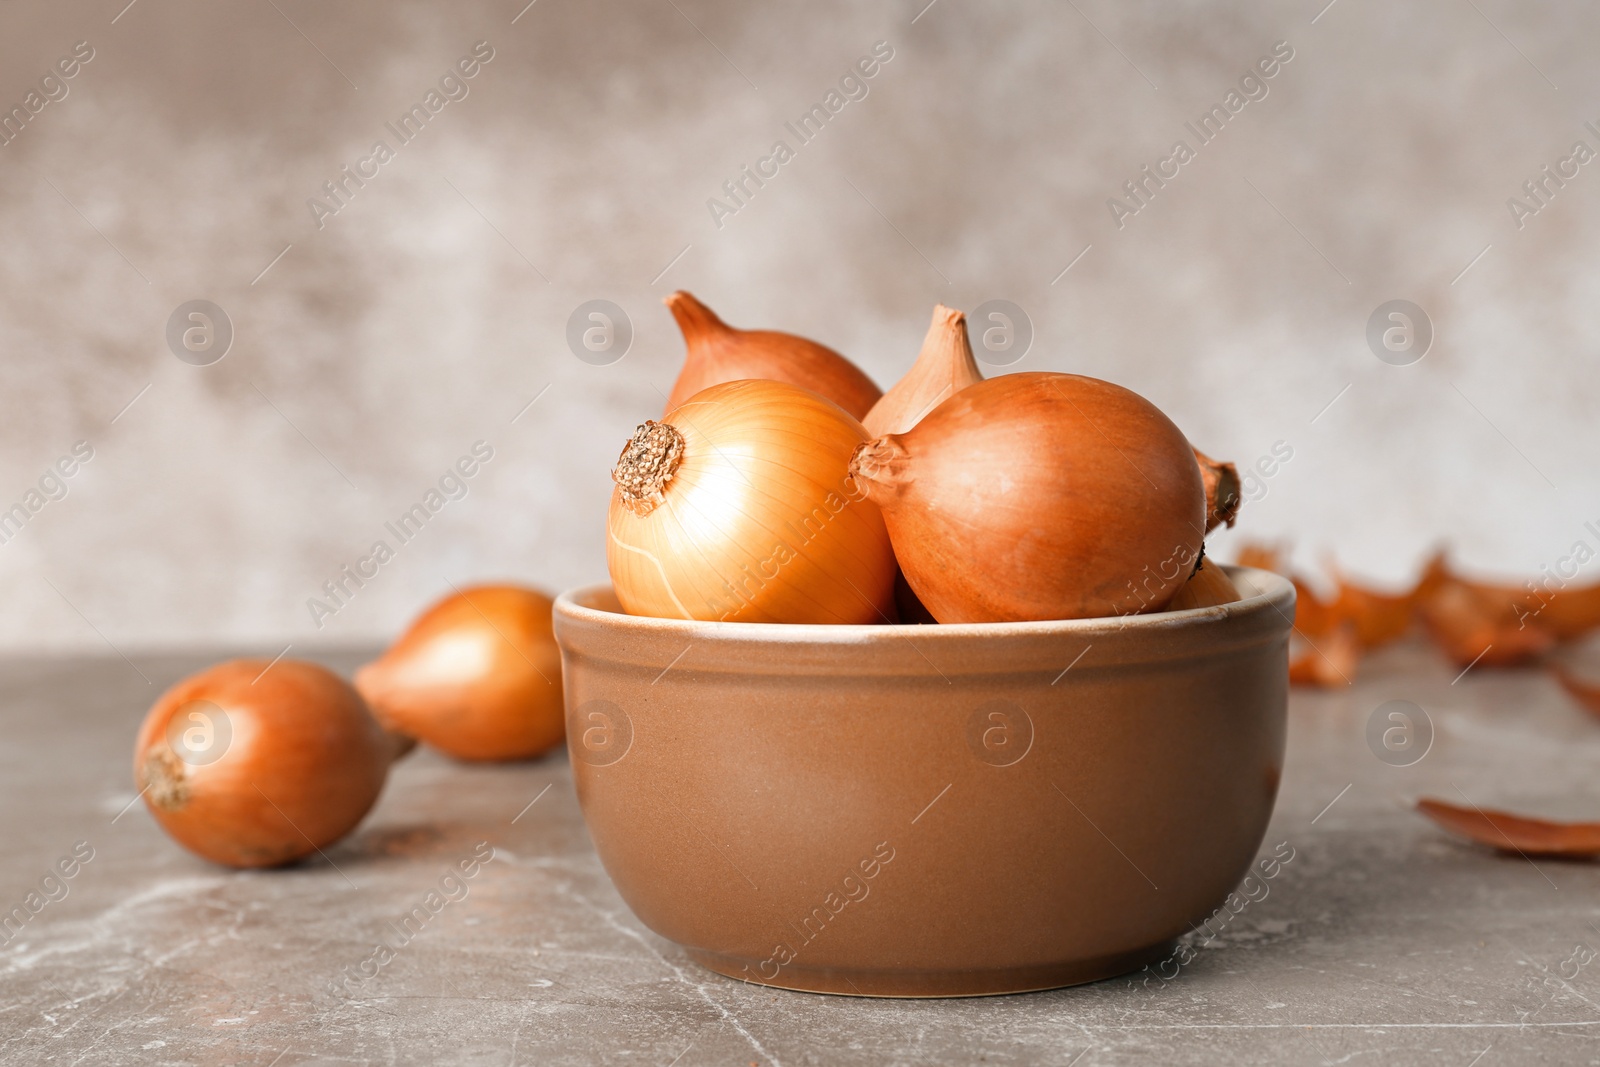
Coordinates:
(258,764)
(477,676)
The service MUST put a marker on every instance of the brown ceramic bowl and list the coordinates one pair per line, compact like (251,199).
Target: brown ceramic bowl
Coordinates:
(928,810)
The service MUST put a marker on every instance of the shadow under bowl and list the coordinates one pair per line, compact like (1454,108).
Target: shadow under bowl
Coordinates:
(922,811)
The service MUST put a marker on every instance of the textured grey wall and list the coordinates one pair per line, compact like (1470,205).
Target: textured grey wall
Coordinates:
(432,307)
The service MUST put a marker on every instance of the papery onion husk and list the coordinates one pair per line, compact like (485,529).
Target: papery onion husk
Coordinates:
(1223,495)
(1519,835)
(1264,557)
(1568,612)
(1039,496)
(1379,618)
(256,764)
(944,367)
(1476,622)
(1330,660)
(477,676)
(1551,605)
(720,353)
(738,507)
(1473,628)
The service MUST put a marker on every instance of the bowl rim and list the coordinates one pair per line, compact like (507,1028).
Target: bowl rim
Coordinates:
(1272,592)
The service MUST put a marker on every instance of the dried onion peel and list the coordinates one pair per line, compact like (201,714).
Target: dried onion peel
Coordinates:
(1507,832)
(1223,495)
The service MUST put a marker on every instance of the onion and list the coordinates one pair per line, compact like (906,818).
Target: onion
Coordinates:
(943,368)
(738,507)
(1039,496)
(719,353)
(1207,587)
(252,764)
(477,676)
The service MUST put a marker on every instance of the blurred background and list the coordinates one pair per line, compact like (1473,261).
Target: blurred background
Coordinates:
(376,339)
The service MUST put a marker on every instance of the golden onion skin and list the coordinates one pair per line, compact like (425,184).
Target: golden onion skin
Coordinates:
(717,353)
(1039,496)
(477,676)
(758,520)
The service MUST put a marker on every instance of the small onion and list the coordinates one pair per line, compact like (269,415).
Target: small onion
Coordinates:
(252,764)
(477,676)
(719,353)
(737,506)
(1039,496)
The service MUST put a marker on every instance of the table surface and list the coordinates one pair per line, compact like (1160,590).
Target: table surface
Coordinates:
(1383,940)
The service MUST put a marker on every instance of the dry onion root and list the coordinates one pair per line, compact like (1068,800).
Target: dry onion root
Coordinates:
(1039,496)
(255,765)
(477,676)
(719,353)
(737,507)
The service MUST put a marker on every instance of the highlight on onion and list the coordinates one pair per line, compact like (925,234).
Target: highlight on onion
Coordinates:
(719,353)
(738,507)
(477,676)
(258,764)
(1039,496)
(943,368)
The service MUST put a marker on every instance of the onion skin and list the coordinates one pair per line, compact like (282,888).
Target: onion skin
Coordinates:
(943,368)
(720,353)
(1332,662)
(745,513)
(477,676)
(1222,491)
(303,764)
(1039,496)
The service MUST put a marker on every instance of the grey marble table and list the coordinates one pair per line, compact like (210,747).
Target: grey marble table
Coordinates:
(1381,941)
